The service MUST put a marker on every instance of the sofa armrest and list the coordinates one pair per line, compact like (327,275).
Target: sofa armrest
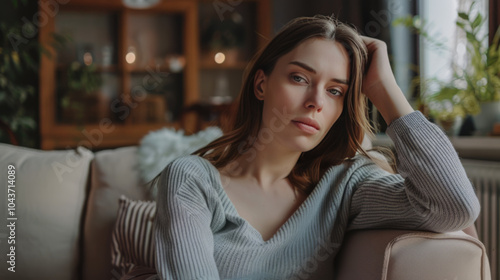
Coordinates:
(408,255)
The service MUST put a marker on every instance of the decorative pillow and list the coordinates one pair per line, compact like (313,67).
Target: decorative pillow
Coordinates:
(158,148)
(132,239)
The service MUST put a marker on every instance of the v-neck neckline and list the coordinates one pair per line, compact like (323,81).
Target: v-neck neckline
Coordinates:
(281,230)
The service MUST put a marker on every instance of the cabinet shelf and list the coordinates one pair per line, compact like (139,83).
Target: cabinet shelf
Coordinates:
(148,69)
(99,68)
(240,65)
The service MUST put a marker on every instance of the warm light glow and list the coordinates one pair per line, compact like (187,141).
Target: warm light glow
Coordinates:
(87,58)
(219,58)
(130,57)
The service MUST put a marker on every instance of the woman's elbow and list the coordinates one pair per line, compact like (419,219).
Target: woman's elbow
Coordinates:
(463,215)
(472,212)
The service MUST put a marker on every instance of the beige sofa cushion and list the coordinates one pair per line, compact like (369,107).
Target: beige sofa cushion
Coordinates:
(50,189)
(422,255)
(114,173)
(411,255)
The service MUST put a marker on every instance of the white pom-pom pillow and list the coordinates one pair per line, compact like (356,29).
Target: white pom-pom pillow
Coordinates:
(159,148)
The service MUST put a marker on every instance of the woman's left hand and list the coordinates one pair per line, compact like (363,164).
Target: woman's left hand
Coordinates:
(379,83)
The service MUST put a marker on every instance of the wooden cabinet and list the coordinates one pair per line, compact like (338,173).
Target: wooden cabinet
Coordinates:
(124,72)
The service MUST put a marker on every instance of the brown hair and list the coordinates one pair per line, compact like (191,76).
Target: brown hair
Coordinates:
(345,136)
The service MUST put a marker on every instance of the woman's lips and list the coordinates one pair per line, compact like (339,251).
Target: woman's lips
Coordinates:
(309,126)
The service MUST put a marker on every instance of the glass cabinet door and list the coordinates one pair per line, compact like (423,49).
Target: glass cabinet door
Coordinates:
(228,40)
(155,62)
(132,80)
(87,76)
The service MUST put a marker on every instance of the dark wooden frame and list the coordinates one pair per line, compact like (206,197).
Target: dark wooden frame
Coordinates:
(494,18)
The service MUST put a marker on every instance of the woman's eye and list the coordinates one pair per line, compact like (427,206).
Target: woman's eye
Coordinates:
(335,92)
(298,79)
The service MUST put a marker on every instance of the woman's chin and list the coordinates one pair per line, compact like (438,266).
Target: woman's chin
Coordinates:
(304,145)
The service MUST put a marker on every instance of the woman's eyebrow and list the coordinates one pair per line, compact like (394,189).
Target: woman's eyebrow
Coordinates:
(310,69)
(303,65)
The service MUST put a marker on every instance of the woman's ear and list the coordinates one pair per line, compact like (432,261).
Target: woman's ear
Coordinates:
(258,84)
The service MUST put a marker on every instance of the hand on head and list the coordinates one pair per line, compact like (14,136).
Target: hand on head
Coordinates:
(379,83)
(378,68)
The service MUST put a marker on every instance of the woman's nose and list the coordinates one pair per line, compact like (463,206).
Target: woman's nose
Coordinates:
(315,100)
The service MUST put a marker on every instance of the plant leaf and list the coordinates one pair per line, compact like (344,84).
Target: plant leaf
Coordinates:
(461,25)
(477,21)
(472,6)
(471,38)
(30,63)
(463,15)
(446,93)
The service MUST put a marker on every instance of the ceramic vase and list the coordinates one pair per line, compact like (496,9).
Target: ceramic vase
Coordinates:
(489,115)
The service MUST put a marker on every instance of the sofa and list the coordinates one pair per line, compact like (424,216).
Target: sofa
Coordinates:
(61,208)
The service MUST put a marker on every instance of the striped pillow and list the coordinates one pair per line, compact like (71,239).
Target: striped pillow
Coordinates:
(132,240)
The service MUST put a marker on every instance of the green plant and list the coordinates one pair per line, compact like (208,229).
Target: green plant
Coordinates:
(20,53)
(18,81)
(80,80)
(483,80)
(467,88)
(83,77)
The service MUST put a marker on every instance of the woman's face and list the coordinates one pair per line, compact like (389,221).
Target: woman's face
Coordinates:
(304,94)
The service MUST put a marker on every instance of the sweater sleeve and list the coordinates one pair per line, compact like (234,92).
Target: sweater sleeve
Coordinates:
(431,191)
(183,237)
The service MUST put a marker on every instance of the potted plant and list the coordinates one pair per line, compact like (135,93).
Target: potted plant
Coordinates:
(472,91)
(483,77)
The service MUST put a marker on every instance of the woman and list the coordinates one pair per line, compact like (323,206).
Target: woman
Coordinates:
(290,178)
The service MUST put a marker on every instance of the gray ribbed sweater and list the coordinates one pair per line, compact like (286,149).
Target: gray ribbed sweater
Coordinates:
(199,234)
